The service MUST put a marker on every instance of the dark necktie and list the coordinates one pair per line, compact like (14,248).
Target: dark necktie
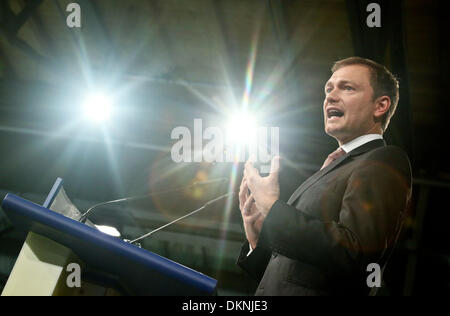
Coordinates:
(333,156)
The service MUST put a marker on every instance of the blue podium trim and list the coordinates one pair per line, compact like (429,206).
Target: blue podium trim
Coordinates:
(142,271)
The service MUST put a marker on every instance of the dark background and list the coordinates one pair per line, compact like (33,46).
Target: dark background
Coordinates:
(165,63)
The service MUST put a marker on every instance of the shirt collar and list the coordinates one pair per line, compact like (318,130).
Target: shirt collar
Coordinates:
(359,141)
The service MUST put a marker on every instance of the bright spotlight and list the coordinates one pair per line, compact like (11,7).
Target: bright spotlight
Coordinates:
(242,129)
(97,107)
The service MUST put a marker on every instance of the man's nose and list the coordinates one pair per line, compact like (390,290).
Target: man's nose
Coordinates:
(332,97)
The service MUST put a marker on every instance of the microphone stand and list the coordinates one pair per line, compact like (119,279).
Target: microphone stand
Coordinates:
(84,216)
(179,219)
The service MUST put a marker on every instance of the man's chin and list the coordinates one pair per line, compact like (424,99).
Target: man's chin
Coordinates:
(334,132)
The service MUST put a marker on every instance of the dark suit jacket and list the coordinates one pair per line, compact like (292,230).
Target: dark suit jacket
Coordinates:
(342,218)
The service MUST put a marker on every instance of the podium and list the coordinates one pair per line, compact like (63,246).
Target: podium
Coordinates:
(107,264)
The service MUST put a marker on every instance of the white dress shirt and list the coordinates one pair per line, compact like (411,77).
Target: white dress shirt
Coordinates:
(348,147)
(359,141)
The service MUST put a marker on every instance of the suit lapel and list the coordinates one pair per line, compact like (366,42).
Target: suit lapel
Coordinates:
(319,174)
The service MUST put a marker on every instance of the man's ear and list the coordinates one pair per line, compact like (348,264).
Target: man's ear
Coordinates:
(382,105)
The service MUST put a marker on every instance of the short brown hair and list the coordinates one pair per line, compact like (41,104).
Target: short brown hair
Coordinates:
(383,83)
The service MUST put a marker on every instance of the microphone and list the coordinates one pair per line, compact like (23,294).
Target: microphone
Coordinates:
(84,216)
(182,217)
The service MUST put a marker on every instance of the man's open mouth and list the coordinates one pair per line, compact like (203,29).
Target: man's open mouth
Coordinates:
(334,113)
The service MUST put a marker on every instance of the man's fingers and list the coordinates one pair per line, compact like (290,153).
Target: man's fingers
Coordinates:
(248,205)
(243,193)
(250,172)
(252,218)
(241,189)
(249,168)
(242,184)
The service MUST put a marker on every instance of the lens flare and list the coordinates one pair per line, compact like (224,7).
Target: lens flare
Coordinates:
(97,107)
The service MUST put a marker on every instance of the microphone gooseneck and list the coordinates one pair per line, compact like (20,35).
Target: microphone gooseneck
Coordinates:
(85,215)
(179,219)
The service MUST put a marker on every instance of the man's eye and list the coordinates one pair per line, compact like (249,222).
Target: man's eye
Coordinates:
(328,90)
(348,88)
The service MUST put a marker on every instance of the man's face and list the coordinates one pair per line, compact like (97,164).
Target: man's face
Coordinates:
(348,106)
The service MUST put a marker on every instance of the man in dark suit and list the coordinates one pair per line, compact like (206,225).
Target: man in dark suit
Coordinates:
(345,216)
